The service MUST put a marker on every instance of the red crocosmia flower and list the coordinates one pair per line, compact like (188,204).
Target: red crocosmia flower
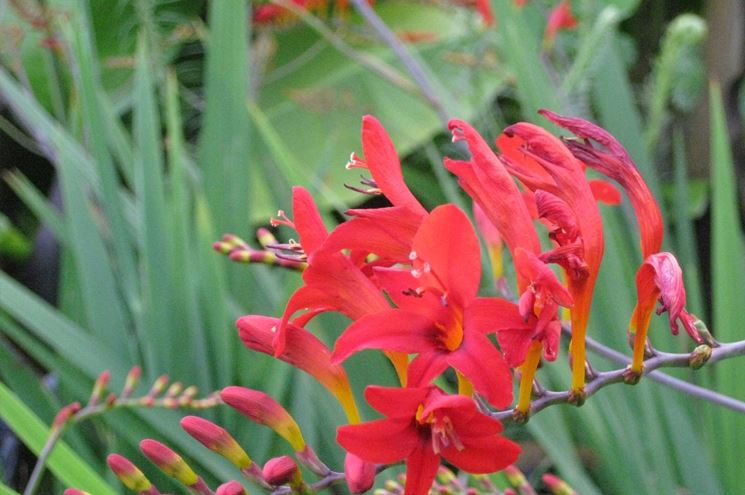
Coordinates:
(615,163)
(387,232)
(605,192)
(303,351)
(485,179)
(659,278)
(541,161)
(438,314)
(423,425)
(559,18)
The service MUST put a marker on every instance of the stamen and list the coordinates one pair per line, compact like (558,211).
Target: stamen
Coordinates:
(355,162)
(412,256)
(458,134)
(281,220)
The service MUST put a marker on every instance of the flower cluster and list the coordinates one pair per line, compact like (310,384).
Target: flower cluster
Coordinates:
(409,278)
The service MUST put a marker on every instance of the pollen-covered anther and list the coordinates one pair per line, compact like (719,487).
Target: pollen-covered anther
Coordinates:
(355,162)
(412,256)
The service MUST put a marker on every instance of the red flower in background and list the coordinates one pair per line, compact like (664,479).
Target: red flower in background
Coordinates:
(423,425)
(559,18)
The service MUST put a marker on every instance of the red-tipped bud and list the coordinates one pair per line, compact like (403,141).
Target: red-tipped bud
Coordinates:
(231,488)
(65,414)
(75,491)
(169,462)
(557,485)
(99,387)
(281,470)
(264,410)
(515,477)
(265,237)
(133,378)
(360,474)
(128,473)
(216,439)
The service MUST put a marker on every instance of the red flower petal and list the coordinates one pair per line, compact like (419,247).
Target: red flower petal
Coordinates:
(605,192)
(447,244)
(387,232)
(492,314)
(392,330)
(382,441)
(514,345)
(483,454)
(426,366)
(421,467)
(395,402)
(385,168)
(308,222)
(479,361)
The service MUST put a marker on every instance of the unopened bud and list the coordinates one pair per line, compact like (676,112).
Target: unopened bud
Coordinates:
(281,470)
(99,387)
(699,356)
(515,477)
(158,386)
(557,485)
(133,378)
(262,409)
(703,331)
(265,237)
(216,439)
(445,475)
(360,474)
(169,462)
(632,377)
(128,473)
(231,488)
(65,414)
(75,491)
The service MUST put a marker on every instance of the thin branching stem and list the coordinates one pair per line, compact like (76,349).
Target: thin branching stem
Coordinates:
(413,67)
(658,360)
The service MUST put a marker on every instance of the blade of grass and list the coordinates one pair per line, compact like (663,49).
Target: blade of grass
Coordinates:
(38,204)
(158,334)
(63,462)
(224,143)
(87,80)
(728,265)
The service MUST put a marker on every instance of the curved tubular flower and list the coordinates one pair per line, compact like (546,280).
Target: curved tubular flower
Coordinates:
(659,277)
(541,161)
(438,314)
(303,351)
(616,164)
(486,180)
(423,425)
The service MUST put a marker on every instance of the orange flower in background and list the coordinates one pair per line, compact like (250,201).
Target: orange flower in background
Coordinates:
(559,18)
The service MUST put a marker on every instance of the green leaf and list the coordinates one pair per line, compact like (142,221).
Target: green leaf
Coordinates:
(728,297)
(63,462)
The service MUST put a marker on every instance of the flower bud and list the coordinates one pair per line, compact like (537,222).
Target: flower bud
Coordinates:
(216,439)
(360,474)
(169,462)
(99,387)
(231,488)
(65,414)
(281,470)
(264,410)
(557,485)
(133,378)
(128,473)
(75,491)
(699,356)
